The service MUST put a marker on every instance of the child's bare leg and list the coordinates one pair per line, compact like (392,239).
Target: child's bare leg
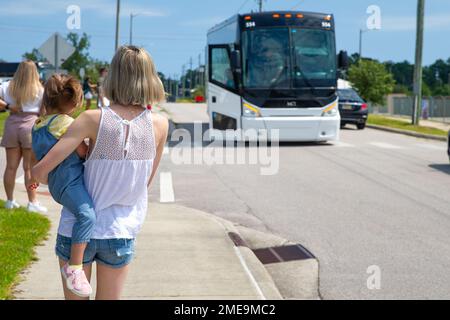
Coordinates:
(77,253)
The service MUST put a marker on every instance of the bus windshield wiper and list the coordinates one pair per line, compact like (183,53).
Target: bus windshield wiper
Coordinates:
(305,79)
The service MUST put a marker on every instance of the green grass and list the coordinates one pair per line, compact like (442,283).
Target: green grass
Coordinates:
(3,116)
(185,100)
(83,108)
(404,125)
(20,232)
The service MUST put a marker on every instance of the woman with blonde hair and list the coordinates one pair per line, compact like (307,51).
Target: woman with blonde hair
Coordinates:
(125,146)
(22,96)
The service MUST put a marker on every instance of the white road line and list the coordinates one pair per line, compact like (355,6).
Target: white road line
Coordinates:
(342,144)
(166,188)
(385,145)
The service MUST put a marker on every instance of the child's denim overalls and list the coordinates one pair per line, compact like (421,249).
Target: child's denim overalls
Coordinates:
(66,184)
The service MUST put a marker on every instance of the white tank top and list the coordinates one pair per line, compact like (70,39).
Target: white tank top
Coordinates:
(116,176)
(32,106)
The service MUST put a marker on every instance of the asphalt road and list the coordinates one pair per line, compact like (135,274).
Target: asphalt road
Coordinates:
(373,199)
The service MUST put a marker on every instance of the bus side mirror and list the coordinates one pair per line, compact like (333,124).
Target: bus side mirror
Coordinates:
(343,60)
(236,60)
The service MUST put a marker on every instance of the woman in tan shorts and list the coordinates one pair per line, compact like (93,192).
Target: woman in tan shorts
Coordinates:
(22,96)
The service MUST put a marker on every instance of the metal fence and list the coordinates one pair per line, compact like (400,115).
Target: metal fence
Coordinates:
(433,108)
(377,108)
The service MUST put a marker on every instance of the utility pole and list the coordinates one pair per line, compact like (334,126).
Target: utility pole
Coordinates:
(117,25)
(176,84)
(192,73)
(418,63)
(131,27)
(360,42)
(260,5)
(183,81)
(200,75)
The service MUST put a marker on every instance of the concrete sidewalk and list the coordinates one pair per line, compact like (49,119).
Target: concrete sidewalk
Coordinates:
(181,253)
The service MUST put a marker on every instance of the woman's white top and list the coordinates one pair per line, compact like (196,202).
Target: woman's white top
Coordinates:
(116,176)
(32,106)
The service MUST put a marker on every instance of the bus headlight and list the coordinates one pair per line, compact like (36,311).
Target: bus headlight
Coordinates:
(251,111)
(331,111)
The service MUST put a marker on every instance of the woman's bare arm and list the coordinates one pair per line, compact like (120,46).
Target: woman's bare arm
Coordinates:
(33,184)
(12,108)
(85,126)
(161,128)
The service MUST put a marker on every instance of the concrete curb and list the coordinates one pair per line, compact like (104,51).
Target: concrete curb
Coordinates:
(259,276)
(406,132)
(297,280)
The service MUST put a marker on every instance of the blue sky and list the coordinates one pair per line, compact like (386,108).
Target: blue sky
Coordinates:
(174,30)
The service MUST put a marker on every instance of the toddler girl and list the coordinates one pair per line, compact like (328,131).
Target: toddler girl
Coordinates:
(62,96)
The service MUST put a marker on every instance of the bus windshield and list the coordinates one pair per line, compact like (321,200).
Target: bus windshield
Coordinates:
(314,57)
(288,58)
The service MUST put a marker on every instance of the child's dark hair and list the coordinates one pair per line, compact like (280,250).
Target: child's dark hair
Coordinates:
(62,93)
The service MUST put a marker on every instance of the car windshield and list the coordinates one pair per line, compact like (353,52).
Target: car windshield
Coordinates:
(349,95)
(284,58)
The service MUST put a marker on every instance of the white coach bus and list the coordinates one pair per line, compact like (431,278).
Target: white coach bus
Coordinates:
(275,70)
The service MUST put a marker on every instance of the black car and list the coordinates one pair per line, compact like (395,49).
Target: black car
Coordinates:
(353,108)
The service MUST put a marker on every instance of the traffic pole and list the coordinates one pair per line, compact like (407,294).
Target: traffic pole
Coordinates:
(418,63)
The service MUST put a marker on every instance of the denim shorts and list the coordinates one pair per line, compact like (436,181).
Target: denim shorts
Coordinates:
(114,253)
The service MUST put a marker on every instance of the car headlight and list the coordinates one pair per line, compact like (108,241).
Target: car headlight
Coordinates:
(331,111)
(251,111)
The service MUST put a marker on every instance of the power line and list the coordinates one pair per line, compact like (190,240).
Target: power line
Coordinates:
(99,35)
(243,5)
(297,5)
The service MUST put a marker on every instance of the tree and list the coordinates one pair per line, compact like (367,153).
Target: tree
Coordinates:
(401,88)
(34,55)
(93,69)
(80,58)
(353,59)
(372,80)
(402,72)
(426,91)
(442,90)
